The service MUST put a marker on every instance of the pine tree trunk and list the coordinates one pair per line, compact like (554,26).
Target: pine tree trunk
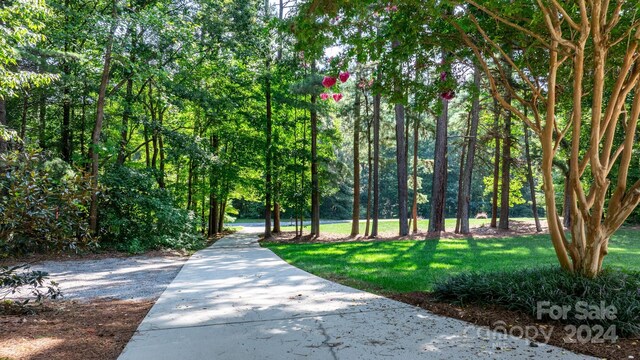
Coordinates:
(223,207)
(460,183)
(23,124)
(315,185)
(369,167)
(213,211)
(439,184)
(147,151)
(126,113)
(3,122)
(532,188)
(268,157)
(190,184)
(505,190)
(414,208)
(301,200)
(471,152)
(42,114)
(83,123)
(65,129)
(496,166)
(376,163)
(161,175)
(401,163)
(276,218)
(97,129)
(154,132)
(355,218)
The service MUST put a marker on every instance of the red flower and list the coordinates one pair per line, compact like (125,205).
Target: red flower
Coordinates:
(344,76)
(337,97)
(448,95)
(443,76)
(328,81)
(324,96)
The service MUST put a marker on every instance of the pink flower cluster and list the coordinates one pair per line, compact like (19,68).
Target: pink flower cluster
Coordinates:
(391,8)
(330,81)
(363,84)
(447,94)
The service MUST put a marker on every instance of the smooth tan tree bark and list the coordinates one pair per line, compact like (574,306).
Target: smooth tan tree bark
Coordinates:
(601,35)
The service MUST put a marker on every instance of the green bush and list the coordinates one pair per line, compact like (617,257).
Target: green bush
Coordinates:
(43,204)
(15,278)
(523,290)
(137,215)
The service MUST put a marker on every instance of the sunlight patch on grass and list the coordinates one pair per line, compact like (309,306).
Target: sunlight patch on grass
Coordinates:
(403,266)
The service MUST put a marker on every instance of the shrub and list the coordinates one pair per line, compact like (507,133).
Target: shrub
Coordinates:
(522,290)
(43,204)
(14,278)
(136,215)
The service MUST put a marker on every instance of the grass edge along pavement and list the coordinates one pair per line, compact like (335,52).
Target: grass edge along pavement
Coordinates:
(408,271)
(389,267)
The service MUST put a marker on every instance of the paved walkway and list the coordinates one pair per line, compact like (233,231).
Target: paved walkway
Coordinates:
(236,300)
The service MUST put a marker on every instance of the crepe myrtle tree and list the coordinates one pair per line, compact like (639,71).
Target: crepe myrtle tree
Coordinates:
(569,57)
(591,56)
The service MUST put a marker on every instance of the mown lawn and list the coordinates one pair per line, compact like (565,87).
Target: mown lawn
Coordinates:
(403,266)
(246,221)
(386,225)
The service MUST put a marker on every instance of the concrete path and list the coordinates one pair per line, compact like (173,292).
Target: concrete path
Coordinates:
(236,300)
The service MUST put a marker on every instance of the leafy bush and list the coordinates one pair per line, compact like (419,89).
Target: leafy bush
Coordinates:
(523,290)
(43,204)
(136,215)
(14,278)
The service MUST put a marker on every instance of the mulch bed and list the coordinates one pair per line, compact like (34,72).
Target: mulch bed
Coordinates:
(497,318)
(72,331)
(101,254)
(65,256)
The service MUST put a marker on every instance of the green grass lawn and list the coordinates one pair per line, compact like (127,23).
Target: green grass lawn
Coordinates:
(388,225)
(246,221)
(384,225)
(403,266)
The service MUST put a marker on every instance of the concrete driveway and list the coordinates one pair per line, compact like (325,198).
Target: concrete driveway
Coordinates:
(236,300)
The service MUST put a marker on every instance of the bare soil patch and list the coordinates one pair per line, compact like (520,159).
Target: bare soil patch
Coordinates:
(497,318)
(72,331)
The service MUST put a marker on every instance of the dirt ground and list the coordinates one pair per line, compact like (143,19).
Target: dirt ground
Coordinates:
(71,331)
(498,318)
